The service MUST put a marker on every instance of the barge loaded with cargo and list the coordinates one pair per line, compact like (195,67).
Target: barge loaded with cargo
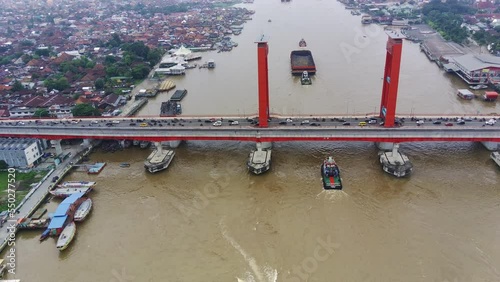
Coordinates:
(302,60)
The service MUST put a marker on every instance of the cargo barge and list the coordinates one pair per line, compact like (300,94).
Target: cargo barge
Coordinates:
(178,95)
(170,109)
(302,60)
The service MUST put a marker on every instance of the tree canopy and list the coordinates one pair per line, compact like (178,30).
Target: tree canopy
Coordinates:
(85,110)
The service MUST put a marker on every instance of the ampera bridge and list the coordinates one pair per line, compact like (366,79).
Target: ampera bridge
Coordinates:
(385,127)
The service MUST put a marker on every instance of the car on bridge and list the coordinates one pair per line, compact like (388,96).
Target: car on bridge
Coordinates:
(217,123)
(448,124)
(304,122)
(234,123)
(420,122)
(362,123)
(143,124)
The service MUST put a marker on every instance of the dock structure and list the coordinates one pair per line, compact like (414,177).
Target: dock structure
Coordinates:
(166,85)
(37,197)
(134,107)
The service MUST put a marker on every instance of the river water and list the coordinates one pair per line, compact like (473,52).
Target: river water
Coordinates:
(207,219)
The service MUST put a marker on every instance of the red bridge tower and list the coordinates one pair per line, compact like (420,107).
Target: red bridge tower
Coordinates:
(391,78)
(262,51)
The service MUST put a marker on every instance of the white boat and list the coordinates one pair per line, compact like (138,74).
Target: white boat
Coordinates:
(77,184)
(65,192)
(479,86)
(66,236)
(495,156)
(83,210)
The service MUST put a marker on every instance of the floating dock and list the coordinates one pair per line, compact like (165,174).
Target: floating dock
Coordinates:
(96,168)
(166,85)
(178,95)
(170,109)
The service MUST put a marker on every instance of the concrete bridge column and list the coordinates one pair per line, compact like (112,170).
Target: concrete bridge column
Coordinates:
(174,143)
(492,146)
(158,146)
(57,144)
(264,145)
(122,143)
(86,142)
(385,146)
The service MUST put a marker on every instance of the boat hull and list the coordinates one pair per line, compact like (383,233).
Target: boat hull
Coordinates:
(66,192)
(328,184)
(302,60)
(66,236)
(83,210)
(157,167)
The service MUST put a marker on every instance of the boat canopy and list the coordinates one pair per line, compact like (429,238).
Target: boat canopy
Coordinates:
(66,203)
(57,222)
(183,51)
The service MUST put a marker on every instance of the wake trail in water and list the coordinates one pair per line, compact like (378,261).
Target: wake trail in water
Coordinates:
(270,274)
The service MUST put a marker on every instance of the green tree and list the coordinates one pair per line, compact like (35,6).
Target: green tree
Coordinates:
(17,86)
(99,83)
(41,113)
(140,71)
(4,164)
(85,110)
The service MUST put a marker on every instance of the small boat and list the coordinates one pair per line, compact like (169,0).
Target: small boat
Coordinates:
(66,192)
(269,20)
(331,174)
(45,235)
(302,43)
(495,156)
(77,184)
(124,165)
(478,87)
(305,79)
(66,236)
(83,210)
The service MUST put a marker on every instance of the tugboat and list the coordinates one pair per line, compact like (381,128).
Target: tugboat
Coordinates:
(495,156)
(159,160)
(331,174)
(305,79)
(396,163)
(302,43)
(259,161)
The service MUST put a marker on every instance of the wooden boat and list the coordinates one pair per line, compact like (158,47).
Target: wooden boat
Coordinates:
(66,192)
(124,165)
(66,236)
(83,210)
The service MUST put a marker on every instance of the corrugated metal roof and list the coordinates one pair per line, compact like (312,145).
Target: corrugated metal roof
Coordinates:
(473,62)
(57,222)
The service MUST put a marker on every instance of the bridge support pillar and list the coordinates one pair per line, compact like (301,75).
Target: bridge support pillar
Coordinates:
(264,145)
(159,146)
(57,144)
(391,78)
(174,143)
(491,146)
(86,142)
(263,76)
(385,146)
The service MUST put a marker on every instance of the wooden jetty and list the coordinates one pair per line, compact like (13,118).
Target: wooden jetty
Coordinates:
(166,85)
(39,213)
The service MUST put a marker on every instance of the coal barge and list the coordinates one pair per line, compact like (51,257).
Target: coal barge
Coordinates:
(302,60)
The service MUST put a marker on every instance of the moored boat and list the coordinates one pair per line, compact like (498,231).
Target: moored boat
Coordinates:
(83,210)
(66,236)
(124,165)
(159,160)
(259,161)
(66,192)
(478,87)
(77,184)
(330,174)
(495,156)
(395,163)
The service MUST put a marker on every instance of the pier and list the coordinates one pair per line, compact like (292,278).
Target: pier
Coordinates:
(134,107)
(37,196)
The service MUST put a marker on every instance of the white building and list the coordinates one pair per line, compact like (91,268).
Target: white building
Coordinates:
(21,152)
